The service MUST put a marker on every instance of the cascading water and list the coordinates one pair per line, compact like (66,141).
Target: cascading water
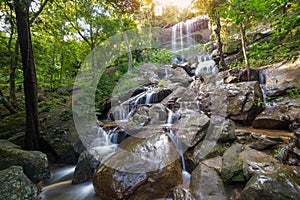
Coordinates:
(206,65)
(179,147)
(262,82)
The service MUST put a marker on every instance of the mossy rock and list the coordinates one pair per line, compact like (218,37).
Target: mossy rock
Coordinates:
(11,125)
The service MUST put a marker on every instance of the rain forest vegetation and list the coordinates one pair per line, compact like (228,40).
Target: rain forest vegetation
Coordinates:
(44,42)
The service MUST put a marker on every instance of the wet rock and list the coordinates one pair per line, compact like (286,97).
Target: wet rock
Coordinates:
(273,186)
(281,77)
(206,184)
(238,101)
(190,129)
(227,131)
(34,163)
(89,161)
(157,114)
(243,75)
(205,150)
(242,136)
(272,118)
(265,143)
(242,101)
(59,135)
(232,164)
(15,185)
(180,193)
(215,163)
(146,166)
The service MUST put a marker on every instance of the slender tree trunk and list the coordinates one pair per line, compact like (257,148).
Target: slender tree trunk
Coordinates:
(6,103)
(128,48)
(12,75)
(244,49)
(220,44)
(32,134)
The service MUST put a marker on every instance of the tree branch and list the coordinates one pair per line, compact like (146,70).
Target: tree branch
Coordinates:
(38,12)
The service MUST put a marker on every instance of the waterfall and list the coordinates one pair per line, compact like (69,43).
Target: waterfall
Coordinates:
(179,147)
(262,82)
(206,65)
(149,97)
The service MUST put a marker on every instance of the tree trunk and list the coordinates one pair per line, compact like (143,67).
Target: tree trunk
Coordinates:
(220,44)
(6,103)
(32,136)
(128,48)
(244,49)
(12,75)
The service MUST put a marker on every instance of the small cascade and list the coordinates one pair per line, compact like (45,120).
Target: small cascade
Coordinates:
(60,175)
(262,82)
(172,117)
(179,147)
(149,97)
(206,65)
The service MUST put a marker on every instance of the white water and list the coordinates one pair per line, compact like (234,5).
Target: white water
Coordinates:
(206,65)
(179,147)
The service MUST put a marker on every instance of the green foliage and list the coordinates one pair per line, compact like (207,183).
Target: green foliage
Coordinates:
(293,92)
(157,56)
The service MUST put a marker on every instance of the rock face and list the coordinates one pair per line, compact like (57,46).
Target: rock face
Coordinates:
(60,136)
(285,114)
(243,100)
(238,101)
(34,163)
(280,78)
(275,186)
(207,184)
(272,118)
(191,128)
(15,185)
(89,161)
(145,167)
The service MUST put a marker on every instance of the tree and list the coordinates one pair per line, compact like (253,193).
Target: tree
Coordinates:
(32,132)
(209,7)
(124,9)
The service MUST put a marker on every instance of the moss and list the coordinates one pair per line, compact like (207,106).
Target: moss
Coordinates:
(10,125)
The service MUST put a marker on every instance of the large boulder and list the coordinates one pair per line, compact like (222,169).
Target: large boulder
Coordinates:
(281,77)
(191,128)
(59,135)
(34,163)
(11,125)
(89,161)
(146,166)
(285,114)
(15,185)
(242,101)
(272,118)
(232,164)
(207,184)
(275,186)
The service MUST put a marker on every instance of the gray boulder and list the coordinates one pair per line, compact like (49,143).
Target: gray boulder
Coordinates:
(34,163)
(15,185)
(207,184)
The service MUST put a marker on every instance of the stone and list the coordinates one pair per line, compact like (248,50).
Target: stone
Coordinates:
(15,185)
(243,75)
(89,161)
(275,186)
(281,77)
(272,118)
(191,128)
(157,114)
(232,164)
(265,143)
(207,184)
(242,101)
(59,135)
(145,166)
(215,163)
(34,163)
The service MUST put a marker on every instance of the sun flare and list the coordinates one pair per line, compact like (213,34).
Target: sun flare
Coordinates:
(181,4)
